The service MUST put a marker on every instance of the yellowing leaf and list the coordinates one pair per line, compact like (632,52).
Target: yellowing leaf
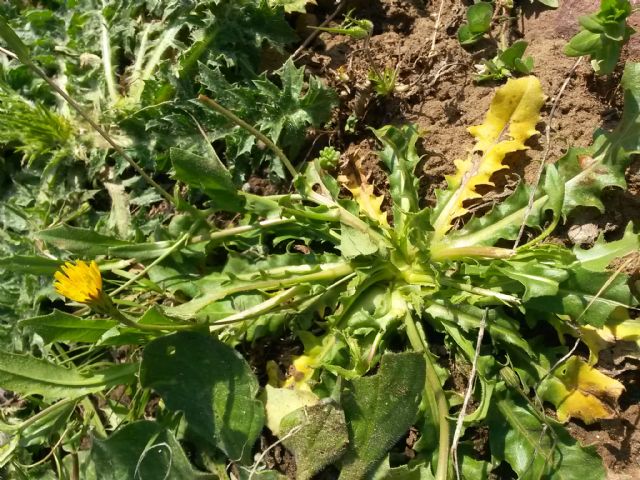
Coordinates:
(356,182)
(515,110)
(369,203)
(580,391)
(280,402)
(303,367)
(597,339)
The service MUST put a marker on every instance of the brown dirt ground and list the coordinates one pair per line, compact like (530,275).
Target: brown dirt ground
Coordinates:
(437,92)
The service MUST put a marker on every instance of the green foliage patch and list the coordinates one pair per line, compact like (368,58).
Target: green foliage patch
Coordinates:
(343,306)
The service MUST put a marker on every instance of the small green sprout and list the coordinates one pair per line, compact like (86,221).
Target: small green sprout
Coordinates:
(603,35)
(478,23)
(329,158)
(352,27)
(506,64)
(384,83)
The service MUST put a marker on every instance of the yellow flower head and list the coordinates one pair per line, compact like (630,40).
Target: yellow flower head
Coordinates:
(81,282)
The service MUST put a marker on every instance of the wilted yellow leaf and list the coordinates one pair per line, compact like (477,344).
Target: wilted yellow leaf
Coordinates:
(514,111)
(356,182)
(580,391)
(597,339)
(369,203)
(280,402)
(304,366)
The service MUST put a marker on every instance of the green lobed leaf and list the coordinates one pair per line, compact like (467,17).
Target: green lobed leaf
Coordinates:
(401,159)
(535,450)
(321,440)
(281,111)
(469,317)
(379,410)
(538,279)
(355,243)
(28,375)
(140,450)
(64,327)
(79,240)
(602,253)
(30,264)
(206,173)
(586,297)
(213,386)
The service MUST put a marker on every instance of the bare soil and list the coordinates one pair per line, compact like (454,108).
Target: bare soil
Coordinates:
(436,91)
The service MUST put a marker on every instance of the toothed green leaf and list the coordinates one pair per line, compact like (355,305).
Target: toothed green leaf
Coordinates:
(536,451)
(587,297)
(602,253)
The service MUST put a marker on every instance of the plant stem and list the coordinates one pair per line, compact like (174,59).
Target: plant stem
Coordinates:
(453,252)
(251,129)
(485,292)
(230,232)
(181,241)
(258,309)
(327,272)
(105,45)
(435,394)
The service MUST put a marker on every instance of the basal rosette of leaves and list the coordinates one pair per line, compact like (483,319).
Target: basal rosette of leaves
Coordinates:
(371,295)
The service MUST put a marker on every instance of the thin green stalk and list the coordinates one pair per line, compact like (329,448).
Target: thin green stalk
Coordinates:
(252,130)
(257,310)
(105,45)
(485,292)
(94,418)
(329,272)
(230,232)
(158,260)
(451,252)
(435,395)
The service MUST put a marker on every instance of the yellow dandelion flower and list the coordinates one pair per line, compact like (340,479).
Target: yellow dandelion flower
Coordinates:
(81,282)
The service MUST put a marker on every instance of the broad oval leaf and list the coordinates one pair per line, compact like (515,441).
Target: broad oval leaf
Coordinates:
(380,409)
(141,450)
(213,386)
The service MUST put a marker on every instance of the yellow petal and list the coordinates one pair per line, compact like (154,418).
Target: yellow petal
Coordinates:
(80,282)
